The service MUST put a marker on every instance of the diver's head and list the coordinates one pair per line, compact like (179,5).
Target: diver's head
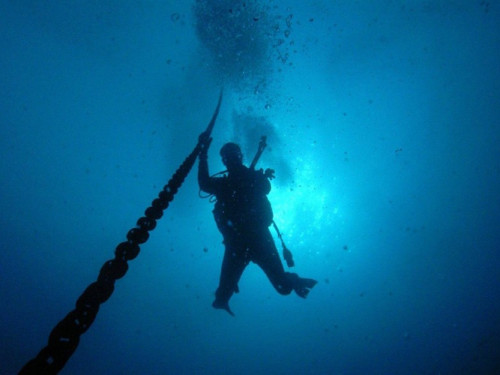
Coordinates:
(231,155)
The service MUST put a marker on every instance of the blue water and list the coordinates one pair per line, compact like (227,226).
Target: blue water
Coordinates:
(383,125)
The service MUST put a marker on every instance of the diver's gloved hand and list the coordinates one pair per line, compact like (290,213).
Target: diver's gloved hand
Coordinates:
(269,173)
(204,140)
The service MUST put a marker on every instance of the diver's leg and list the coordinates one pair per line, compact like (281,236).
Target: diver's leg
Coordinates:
(233,265)
(267,257)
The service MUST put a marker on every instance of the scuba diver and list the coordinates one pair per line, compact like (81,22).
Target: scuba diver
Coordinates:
(243,215)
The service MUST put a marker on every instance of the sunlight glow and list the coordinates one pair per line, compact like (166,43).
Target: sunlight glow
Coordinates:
(305,208)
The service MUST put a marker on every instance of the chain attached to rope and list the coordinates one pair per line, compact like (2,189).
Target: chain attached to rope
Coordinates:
(64,338)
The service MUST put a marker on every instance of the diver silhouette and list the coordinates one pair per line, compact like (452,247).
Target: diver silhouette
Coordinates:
(243,215)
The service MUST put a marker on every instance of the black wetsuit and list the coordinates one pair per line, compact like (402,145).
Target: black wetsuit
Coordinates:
(243,215)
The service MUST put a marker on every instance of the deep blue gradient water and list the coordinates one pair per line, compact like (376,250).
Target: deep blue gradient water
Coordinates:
(383,126)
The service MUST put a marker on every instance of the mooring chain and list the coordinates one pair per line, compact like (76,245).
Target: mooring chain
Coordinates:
(64,338)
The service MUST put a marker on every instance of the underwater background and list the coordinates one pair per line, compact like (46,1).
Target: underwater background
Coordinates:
(382,119)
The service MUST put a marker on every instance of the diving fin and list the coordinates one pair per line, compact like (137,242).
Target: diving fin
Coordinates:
(305,287)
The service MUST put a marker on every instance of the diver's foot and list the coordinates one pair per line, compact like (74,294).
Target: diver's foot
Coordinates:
(305,286)
(222,306)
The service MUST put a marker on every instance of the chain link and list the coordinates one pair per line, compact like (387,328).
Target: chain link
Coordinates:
(64,338)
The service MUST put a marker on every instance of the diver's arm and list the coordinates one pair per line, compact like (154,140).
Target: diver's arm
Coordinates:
(266,185)
(261,183)
(204,181)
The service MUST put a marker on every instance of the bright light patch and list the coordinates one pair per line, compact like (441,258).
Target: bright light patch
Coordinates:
(305,207)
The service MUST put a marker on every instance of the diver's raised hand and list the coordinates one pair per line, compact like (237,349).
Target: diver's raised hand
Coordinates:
(204,140)
(269,173)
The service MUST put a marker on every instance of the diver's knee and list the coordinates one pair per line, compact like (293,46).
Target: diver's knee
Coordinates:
(282,289)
